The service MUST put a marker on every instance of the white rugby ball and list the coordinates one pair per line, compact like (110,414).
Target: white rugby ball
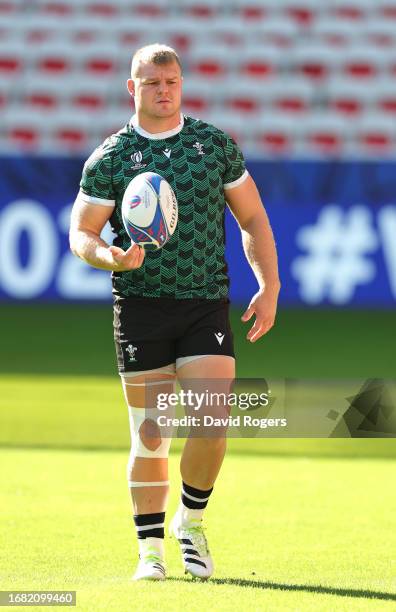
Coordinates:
(149,210)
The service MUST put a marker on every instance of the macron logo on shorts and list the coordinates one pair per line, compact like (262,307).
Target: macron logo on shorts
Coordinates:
(219,337)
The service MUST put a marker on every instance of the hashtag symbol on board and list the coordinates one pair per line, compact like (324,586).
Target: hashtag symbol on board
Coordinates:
(336,248)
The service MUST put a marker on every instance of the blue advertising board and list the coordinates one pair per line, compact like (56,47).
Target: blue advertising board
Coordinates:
(334,225)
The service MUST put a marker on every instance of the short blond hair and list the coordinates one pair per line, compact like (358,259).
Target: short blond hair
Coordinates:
(154,54)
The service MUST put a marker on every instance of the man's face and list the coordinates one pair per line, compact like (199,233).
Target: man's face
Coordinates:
(157,90)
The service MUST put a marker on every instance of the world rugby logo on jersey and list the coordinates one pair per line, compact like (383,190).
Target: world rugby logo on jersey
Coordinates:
(137,157)
(149,210)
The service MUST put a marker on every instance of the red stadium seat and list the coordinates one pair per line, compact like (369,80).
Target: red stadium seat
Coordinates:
(89,101)
(335,32)
(275,134)
(272,32)
(7,7)
(22,131)
(57,7)
(106,10)
(12,57)
(209,61)
(199,9)
(380,32)
(44,100)
(196,100)
(54,64)
(315,61)
(376,135)
(10,63)
(252,10)
(301,12)
(152,9)
(387,103)
(387,9)
(260,61)
(325,134)
(364,62)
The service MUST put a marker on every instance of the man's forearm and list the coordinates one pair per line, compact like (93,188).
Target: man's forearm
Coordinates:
(91,249)
(259,246)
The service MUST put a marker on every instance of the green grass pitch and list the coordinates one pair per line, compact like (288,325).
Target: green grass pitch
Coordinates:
(292,525)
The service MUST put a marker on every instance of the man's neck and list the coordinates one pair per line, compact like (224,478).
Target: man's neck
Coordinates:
(156,125)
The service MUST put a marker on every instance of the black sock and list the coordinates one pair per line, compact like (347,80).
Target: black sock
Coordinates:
(149,525)
(193,498)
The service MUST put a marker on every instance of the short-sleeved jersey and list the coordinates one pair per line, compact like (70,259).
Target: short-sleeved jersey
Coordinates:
(199,161)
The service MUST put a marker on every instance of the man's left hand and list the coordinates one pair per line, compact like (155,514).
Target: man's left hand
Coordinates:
(263,305)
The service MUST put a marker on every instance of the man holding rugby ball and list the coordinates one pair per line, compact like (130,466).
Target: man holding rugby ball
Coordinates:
(171,305)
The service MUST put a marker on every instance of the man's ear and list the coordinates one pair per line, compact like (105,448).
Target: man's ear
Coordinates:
(131,87)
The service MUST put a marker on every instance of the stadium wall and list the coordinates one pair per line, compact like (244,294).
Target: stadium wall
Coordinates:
(334,224)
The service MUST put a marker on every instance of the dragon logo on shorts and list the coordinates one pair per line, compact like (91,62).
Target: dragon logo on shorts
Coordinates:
(131,350)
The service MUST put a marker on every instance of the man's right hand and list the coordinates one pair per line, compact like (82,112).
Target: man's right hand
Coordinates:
(126,260)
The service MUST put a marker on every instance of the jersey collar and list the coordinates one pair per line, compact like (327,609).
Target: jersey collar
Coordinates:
(158,135)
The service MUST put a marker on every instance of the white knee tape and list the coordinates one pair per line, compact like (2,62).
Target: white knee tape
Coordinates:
(137,416)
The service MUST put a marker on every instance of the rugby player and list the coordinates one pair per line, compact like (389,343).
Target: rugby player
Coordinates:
(171,316)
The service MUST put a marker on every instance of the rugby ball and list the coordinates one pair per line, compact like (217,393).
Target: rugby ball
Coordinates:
(149,210)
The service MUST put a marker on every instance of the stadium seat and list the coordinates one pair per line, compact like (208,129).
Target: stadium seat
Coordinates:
(385,96)
(352,10)
(326,133)
(386,8)
(276,134)
(335,32)
(210,61)
(152,8)
(201,9)
(272,31)
(198,96)
(316,61)
(102,8)
(260,61)
(380,32)
(303,12)
(21,131)
(251,11)
(183,33)
(376,134)
(364,61)
(58,8)
(292,95)
(103,59)
(71,131)
(12,57)
(348,97)
(46,96)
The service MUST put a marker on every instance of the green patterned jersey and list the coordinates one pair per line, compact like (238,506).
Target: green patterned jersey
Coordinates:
(199,161)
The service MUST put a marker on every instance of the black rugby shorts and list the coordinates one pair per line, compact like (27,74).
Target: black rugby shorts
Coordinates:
(151,333)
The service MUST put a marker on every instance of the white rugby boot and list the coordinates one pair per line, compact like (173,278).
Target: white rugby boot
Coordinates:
(151,564)
(194,547)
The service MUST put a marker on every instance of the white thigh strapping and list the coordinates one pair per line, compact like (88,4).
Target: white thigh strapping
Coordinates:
(137,416)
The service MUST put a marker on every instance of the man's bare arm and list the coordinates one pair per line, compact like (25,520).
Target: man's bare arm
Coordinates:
(259,246)
(87,222)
